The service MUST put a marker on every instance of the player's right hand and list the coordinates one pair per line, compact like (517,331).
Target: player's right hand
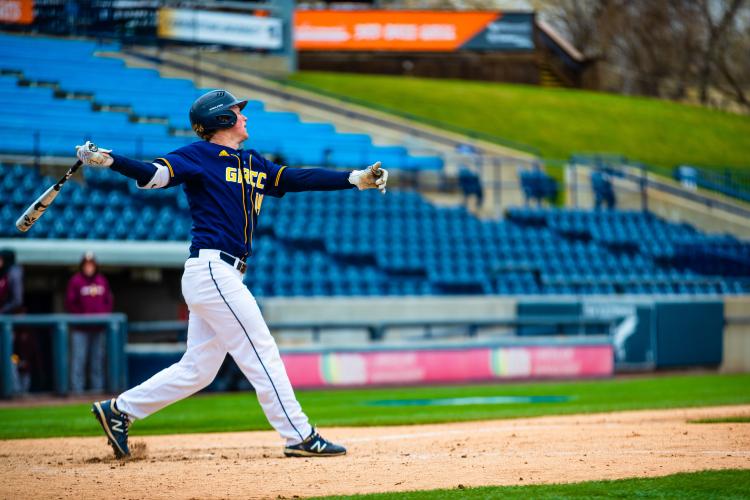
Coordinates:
(93,156)
(373,177)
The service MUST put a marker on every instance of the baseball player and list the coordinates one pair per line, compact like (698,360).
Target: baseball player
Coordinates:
(225,186)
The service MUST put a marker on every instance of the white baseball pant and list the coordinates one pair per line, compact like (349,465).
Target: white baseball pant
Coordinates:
(224,318)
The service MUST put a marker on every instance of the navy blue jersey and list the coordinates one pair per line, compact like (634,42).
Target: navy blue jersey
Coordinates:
(225,189)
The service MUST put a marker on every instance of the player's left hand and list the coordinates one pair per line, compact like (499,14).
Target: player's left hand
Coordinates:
(93,156)
(373,177)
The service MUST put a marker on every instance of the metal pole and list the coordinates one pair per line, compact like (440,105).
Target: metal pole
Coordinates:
(644,195)
(37,150)
(6,365)
(286,8)
(195,47)
(60,359)
(114,356)
(123,338)
(499,188)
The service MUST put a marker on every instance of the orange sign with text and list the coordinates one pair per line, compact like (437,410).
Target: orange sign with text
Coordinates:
(17,11)
(387,29)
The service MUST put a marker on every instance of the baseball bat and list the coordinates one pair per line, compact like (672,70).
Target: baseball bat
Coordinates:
(36,209)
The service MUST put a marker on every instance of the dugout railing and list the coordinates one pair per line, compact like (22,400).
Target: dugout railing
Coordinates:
(430,329)
(59,325)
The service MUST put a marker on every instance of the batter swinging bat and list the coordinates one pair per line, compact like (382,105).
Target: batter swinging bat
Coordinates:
(36,209)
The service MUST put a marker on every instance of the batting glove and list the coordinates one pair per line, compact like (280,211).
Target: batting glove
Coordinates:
(370,178)
(92,156)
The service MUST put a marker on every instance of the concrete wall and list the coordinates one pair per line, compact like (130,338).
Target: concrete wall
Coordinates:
(736,335)
(375,309)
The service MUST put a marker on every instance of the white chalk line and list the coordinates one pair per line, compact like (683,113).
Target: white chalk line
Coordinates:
(472,432)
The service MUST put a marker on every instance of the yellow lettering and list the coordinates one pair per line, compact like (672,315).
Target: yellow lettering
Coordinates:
(254,179)
(258,202)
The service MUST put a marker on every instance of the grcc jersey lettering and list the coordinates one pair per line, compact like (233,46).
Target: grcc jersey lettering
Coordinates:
(255,179)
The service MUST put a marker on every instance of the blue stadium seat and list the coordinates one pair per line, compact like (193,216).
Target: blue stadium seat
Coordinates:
(68,121)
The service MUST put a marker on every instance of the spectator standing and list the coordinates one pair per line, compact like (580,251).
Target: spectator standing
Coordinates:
(604,194)
(88,293)
(471,185)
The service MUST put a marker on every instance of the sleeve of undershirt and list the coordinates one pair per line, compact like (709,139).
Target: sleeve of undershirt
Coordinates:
(169,170)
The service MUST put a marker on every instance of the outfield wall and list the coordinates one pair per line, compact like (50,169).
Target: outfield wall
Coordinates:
(400,364)
(656,332)
(508,360)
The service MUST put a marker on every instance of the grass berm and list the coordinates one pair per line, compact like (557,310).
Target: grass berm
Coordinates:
(553,123)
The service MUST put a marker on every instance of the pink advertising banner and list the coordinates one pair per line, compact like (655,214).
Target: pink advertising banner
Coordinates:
(426,366)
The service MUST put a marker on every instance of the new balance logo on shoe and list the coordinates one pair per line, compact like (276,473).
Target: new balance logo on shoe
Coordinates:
(318,446)
(116,425)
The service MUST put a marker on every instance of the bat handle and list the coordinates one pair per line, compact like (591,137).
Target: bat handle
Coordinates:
(377,172)
(75,166)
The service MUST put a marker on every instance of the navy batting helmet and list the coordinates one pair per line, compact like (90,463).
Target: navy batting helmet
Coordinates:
(211,111)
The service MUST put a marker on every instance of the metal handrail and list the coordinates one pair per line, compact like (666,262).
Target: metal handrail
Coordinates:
(378,329)
(116,369)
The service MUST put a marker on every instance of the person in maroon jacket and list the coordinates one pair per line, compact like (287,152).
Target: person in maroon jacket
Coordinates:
(88,293)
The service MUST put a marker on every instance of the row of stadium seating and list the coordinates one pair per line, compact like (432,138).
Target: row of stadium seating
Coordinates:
(36,120)
(623,231)
(318,243)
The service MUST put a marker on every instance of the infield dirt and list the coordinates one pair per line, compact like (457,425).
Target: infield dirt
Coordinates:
(551,449)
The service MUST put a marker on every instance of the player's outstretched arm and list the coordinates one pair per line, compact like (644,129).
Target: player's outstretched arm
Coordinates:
(146,174)
(321,179)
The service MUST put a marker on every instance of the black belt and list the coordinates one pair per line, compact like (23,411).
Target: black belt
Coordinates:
(233,261)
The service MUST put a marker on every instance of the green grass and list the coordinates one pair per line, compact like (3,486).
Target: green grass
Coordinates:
(553,123)
(724,484)
(739,419)
(240,411)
